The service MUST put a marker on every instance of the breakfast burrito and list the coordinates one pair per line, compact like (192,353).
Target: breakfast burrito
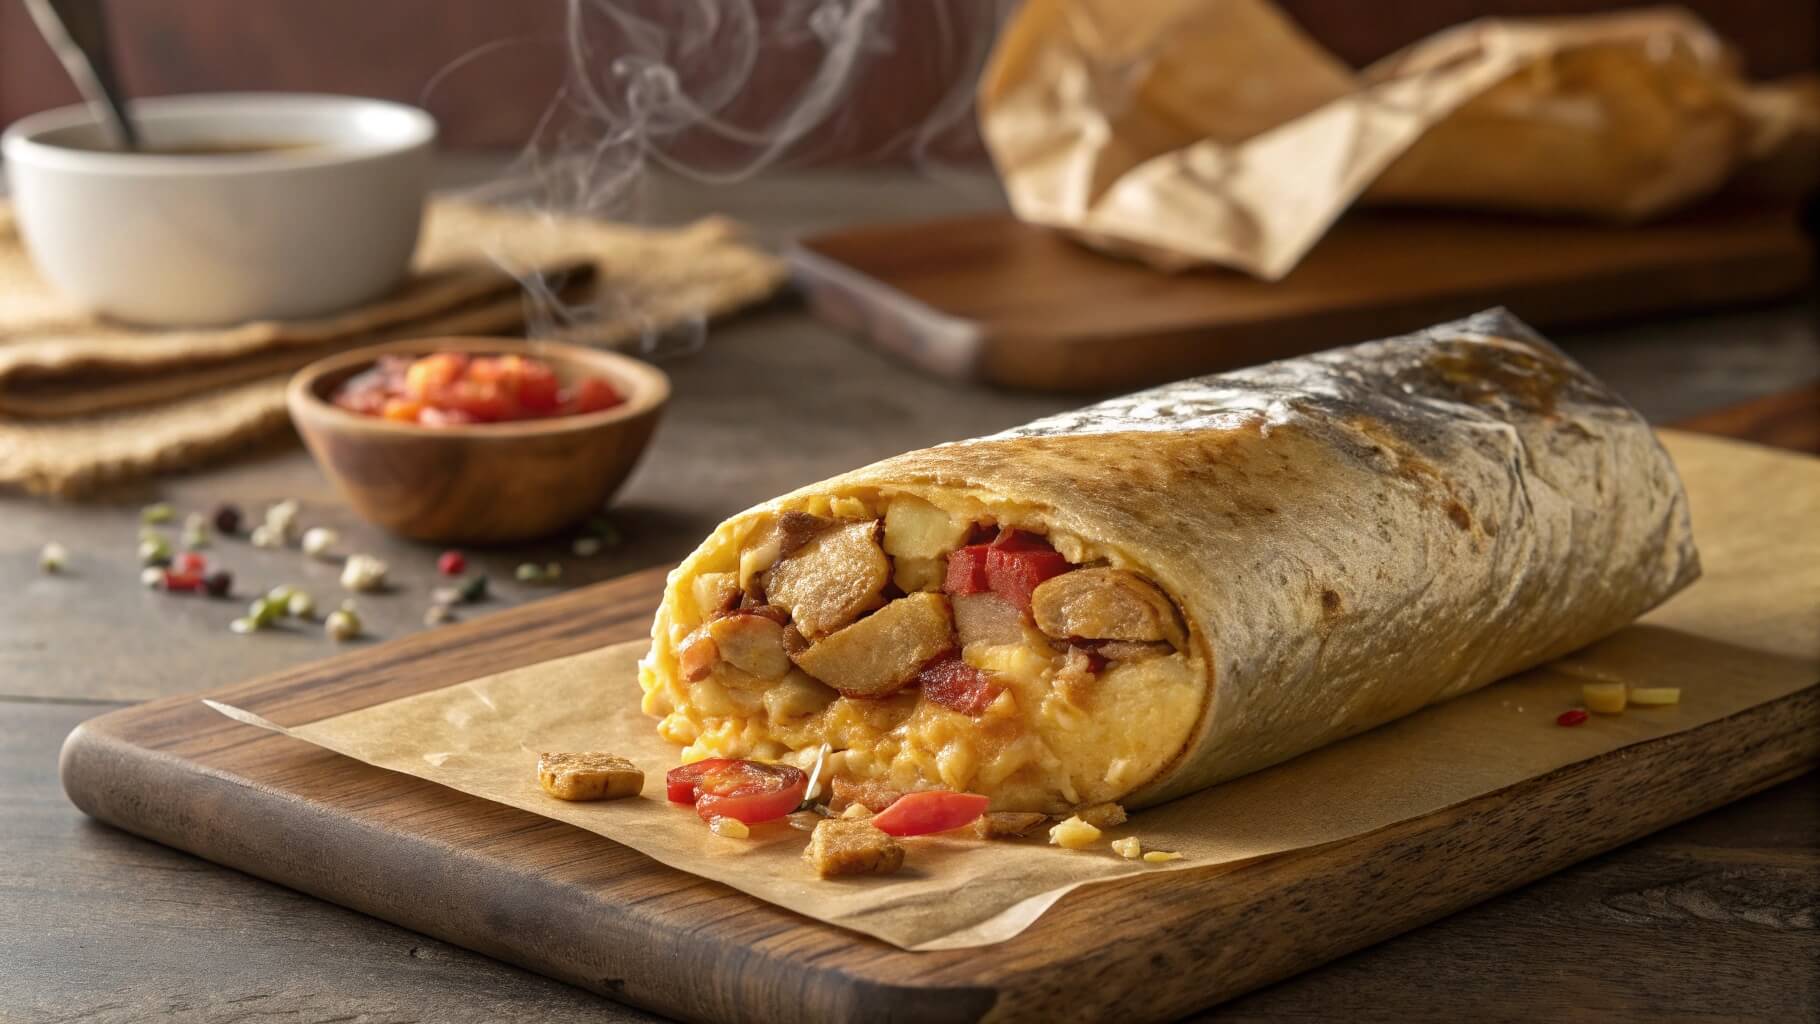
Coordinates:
(1166,590)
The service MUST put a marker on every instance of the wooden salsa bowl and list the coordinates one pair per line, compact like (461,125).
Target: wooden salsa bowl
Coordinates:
(490,483)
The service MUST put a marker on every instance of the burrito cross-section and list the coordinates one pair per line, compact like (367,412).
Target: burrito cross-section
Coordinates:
(1166,590)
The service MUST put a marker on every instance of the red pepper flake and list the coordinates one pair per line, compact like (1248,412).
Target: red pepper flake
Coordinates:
(452,563)
(1571,717)
(177,582)
(189,563)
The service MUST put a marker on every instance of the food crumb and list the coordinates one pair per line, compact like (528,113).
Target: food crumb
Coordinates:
(1006,824)
(1571,717)
(839,847)
(589,776)
(1128,847)
(731,828)
(1161,857)
(1655,696)
(53,558)
(363,573)
(1074,834)
(1102,816)
(1605,698)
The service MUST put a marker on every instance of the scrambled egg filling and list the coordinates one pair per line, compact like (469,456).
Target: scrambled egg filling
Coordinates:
(1052,729)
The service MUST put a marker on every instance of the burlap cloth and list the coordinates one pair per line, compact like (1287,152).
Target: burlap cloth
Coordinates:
(85,402)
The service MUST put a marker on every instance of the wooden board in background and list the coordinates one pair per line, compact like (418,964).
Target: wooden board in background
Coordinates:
(988,299)
(575,906)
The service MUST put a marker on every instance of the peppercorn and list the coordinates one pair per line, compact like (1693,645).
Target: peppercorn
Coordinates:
(474,589)
(300,605)
(227,519)
(264,611)
(527,572)
(552,572)
(218,583)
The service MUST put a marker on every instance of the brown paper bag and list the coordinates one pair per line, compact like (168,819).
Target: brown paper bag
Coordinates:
(1186,133)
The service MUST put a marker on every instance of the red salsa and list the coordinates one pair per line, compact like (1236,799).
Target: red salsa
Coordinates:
(453,388)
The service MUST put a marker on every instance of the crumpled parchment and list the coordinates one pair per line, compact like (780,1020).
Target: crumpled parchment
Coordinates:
(1184,132)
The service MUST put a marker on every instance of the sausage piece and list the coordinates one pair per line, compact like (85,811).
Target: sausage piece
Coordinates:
(1104,603)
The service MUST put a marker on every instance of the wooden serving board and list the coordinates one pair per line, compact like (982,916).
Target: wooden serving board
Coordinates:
(989,299)
(575,906)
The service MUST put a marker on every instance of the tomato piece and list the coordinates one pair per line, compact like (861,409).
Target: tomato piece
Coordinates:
(433,374)
(956,685)
(592,394)
(967,570)
(482,400)
(404,410)
(1017,562)
(434,417)
(920,814)
(750,791)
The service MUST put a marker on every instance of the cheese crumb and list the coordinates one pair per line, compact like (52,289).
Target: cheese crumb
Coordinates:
(1074,834)
(1655,696)
(1159,857)
(732,828)
(1605,698)
(1128,847)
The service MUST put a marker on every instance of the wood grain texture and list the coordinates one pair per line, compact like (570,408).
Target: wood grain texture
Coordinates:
(569,904)
(989,299)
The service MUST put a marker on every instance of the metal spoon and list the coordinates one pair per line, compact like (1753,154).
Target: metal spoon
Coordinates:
(77,32)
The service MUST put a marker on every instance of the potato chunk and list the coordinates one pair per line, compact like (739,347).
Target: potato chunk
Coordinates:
(916,529)
(878,654)
(1105,604)
(588,776)
(751,643)
(840,846)
(986,618)
(831,579)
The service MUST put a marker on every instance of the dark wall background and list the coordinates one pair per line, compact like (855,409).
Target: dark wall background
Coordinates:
(511,57)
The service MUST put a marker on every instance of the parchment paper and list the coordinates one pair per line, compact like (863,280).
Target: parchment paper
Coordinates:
(1746,633)
(1183,132)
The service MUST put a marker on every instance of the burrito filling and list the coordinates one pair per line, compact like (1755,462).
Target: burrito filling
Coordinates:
(968,648)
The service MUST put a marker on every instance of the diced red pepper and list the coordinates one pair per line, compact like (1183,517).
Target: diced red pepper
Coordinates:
(967,570)
(176,582)
(957,686)
(1017,562)
(921,814)
(189,563)
(1571,717)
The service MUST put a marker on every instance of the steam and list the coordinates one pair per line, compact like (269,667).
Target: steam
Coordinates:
(719,91)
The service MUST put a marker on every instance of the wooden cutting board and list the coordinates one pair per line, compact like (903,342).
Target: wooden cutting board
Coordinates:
(575,906)
(989,299)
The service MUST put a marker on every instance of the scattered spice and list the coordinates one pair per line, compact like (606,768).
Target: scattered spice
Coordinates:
(317,541)
(585,547)
(155,551)
(603,528)
(300,605)
(437,614)
(52,558)
(1572,717)
(227,519)
(195,531)
(266,537)
(281,521)
(243,626)
(451,563)
(158,513)
(552,572)
(475,589)
(218,583)
(151,578)
(527,572)
(362,573)
(342,625)
(264,611)
(177,581)
(189,562)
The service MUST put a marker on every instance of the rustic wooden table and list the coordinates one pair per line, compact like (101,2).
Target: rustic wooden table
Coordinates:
(1714,919)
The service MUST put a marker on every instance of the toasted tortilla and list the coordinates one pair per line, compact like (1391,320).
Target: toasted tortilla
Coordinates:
(1349,536)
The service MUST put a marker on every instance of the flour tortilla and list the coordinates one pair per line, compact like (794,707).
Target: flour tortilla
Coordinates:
(1350,536)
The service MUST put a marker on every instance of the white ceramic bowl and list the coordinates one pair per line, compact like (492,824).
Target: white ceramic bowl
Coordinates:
(224,238)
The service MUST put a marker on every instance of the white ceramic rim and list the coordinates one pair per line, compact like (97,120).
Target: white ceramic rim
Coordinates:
(20,142)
